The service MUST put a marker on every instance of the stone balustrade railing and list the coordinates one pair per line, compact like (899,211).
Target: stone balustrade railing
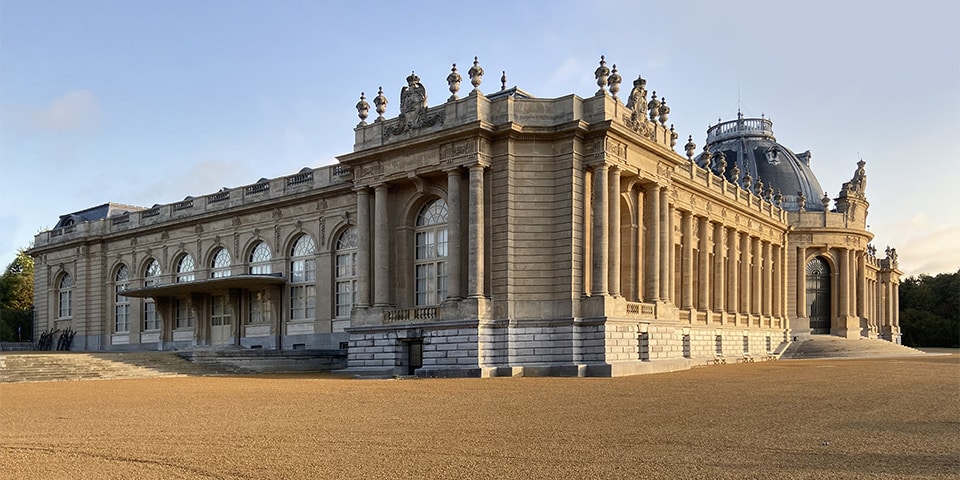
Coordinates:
(302,181)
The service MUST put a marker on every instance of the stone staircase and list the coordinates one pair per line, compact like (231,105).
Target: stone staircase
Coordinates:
(826,346)
(59,366)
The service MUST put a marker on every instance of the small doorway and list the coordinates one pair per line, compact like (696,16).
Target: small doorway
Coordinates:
(818,296)
(414,356)
(220,321)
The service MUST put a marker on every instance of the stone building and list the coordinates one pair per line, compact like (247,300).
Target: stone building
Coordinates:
(492,234)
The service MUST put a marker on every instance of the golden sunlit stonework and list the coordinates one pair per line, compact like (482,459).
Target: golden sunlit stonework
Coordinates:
(493,234)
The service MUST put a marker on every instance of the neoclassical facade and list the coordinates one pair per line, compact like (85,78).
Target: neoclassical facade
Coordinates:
(492,234)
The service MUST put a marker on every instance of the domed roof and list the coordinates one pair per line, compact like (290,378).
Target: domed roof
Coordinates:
(748,145)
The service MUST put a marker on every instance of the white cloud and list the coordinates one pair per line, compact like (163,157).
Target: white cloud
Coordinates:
(75,110)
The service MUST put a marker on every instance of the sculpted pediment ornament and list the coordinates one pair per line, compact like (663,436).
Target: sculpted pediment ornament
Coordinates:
(413,110)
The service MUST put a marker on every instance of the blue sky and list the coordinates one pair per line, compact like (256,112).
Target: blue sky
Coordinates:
(146,102)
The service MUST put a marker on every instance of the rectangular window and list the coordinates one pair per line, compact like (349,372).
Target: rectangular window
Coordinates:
(302,302)
(746,344)
(151,319)
(425,279)
(346,297)
(66,299)
(643,341)
(718,345)
(261,307)
(686,346)
(184,314)
(219,311)
(121,311)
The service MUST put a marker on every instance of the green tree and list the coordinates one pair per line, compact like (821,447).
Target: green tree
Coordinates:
(930,310)
(16,299)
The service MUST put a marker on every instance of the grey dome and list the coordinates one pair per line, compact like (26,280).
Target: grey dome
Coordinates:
(749,144)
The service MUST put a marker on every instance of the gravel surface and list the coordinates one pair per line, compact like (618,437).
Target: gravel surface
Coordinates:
(863,418)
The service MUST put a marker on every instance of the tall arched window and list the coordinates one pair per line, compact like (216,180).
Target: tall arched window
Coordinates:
(303,275)
(185,269)
(431,254)
(151,318)
(818,295)
(121,315)
(346,272)
(260,259)
(65,296)
(220,267)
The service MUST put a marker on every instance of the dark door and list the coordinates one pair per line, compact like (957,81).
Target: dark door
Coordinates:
(818,295)
(414,356)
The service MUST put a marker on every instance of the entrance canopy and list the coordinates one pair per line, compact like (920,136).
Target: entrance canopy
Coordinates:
(212,285)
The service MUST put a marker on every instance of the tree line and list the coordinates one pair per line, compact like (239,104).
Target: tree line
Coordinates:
(930,310)
(16,300)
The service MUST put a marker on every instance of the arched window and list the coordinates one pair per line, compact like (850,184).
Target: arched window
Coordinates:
(220,267)
(260,259)
(346,272)
(818,295)
(303,275)
(431,254)
(121,315)
(185,269)
(65,296)
(151,318)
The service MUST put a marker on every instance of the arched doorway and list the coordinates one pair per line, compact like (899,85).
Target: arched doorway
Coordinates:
(818,295)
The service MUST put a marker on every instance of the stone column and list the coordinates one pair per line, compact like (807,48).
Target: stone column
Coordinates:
(671,265)
(801,282)
(861,281)
(895,301)
(776,277)
(756,281)
(651,240)
(666,245)
(381,247)
(703,280)
(745,281)
(613,198)
(476,234)
(363,247)
(453,233)
(733,257)
(686,260)
(719,272)
(767,289)
(601,230)
(843,309)
(639,262)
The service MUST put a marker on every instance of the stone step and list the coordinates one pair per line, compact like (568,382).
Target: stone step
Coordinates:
(33,367)
(825,346)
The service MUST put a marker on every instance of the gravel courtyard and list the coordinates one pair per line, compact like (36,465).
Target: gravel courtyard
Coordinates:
(863,418)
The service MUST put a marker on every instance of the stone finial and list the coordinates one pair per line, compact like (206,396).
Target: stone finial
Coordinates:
(380,101)
(691,148)
(453,80)
(673,137)
(826,202)
(801,201)
(721,162)
(734,174)
(778,198)
(706,156)
(769,194)
(759,187)
(503,81)
(654,107)
(664,111)
(638,95)
(363,110)
(602,72)
(476,76)
(615,80)
(747,181)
